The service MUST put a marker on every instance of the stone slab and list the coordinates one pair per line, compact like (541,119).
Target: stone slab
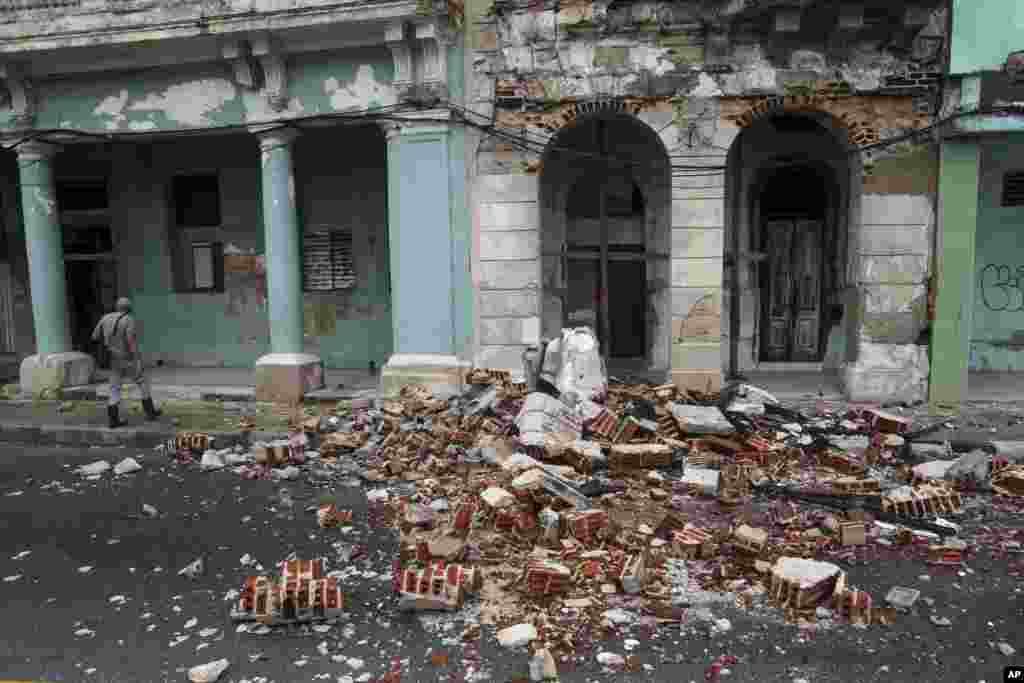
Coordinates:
(287,383)
(55,371)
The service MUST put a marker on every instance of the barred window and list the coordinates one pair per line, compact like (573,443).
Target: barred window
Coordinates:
(327,260)
(1013,189)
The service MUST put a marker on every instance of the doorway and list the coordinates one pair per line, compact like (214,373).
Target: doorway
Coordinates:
(89,265)
(606,258)
(795,282)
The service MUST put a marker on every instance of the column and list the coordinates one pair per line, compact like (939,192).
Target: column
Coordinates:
(422,247)
(54,365)
(954,276)
(286,374)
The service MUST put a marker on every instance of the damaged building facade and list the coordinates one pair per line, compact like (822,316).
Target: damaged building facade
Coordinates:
(717,187)
(231,167)
(979,317)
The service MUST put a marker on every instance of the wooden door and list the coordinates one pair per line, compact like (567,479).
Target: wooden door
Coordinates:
(791,291)
(777,291)
(807,268)
(627,304)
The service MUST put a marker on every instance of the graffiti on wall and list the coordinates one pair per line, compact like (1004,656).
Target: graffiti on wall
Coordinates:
(1001,288)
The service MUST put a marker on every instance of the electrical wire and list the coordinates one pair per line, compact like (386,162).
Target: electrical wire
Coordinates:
(521,138)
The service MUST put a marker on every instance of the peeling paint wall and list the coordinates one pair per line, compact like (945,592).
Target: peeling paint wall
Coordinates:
(207,96)
(701,72)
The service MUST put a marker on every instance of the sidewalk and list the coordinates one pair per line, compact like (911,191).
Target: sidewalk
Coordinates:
(84,423)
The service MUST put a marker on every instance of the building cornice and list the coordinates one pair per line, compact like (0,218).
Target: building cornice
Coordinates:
(102,28)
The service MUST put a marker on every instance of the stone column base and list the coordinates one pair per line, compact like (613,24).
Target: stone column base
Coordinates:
(287,377)
(707,381)
(887,372)
(439,374)
(55,371)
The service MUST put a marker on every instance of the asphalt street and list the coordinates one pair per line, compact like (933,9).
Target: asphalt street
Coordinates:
(91,592)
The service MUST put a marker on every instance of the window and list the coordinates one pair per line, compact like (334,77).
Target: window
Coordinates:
(196,218)
(197,201)
(327,260)
(207,267)
(1013,189)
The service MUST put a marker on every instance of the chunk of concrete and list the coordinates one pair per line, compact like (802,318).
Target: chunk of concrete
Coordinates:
(936,469)
(38,373)
(517,636)
(704,480)
(701,419)
(497,498)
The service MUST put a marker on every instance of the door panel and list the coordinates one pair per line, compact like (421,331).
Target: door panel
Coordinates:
(627,298)
(807,270)
(778,294)
(791,291)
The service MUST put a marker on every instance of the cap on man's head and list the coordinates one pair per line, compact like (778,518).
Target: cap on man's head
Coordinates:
(124,304)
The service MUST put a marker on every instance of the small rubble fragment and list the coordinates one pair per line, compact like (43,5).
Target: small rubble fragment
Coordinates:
(94,468)
(209,672)
(517,636)
(127,466)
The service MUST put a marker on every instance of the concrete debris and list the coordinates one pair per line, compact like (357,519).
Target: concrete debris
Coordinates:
(212,460)
(94,468)
(127,466)
(193,569)
(208,673)
(517,636)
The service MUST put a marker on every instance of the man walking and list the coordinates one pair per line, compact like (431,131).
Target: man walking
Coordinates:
(117,332)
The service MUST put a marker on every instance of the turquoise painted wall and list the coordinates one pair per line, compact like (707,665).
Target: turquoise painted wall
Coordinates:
(997,340)
(340,181)
(984,33)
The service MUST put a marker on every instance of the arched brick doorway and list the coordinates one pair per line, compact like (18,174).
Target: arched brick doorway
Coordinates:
(605,218)
(792,209)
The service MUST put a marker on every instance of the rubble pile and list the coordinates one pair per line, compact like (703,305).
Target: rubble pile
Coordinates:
(558,507)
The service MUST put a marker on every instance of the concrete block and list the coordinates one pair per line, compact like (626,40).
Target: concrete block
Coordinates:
(697,242)
(892,239)
(506,357)
(287,377)
(439,374)
(892,298)
(497,304)
(903,269)
(703,272)
(887,372)
(510,274)
(509,244)
(508,215)
(698,213)
(696,355)
(509,187)
(709,380)
(55,371)
(896,209)
(505,331)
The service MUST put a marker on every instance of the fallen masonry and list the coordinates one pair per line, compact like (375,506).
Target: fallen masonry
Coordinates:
(541,505)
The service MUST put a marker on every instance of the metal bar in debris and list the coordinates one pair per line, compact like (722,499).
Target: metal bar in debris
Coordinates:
(846,503)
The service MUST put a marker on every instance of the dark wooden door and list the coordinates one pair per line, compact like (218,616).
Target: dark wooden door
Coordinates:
(791,287)
(627,299)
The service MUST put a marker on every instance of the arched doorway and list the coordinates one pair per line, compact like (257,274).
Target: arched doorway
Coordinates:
(797,278)
(605,216)
(791,217)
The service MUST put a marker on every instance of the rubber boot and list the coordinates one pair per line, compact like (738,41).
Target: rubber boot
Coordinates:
(112,419)
(151,412)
